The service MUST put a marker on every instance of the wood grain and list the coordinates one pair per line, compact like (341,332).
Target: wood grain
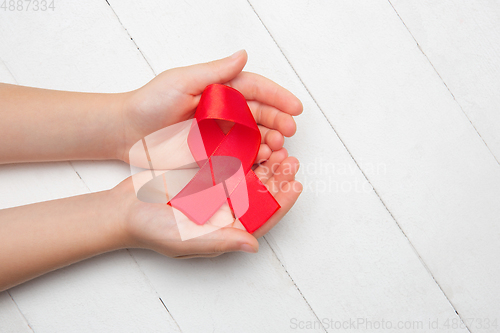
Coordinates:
(389,105)
(11,320)
(340,246)
(398,220)
(67,49)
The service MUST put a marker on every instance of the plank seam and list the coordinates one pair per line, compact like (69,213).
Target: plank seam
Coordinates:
(81,179)
(274,253)
(90,191)
(296,287)
(153,288)
(169,313)
(130,254)
(133,41)
(11,297)
(442,80)
(8,70)
(354,160)
(20,312)
(466,116)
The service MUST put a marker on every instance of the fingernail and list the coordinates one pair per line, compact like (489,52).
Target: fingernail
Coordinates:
(247,248)
(237,54)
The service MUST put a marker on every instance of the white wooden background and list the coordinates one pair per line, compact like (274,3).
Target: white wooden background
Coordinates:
(401,105)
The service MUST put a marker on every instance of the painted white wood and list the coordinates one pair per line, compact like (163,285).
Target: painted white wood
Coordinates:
(80,46)
(341,247)
(389,106)
(104,294)
(233,292)
(66,293)
(24,184)
(11,320)
(461,40)
(109,292)
(5,74)
(102,175)
(84,41)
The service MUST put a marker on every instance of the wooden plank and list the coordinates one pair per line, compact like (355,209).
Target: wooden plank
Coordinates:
(11,320)
(233,292)
(130,306)
(24,184)
(441,184)
(107,293)
(104,293)
(67,49)
(460,39)
(70,41)
(102,175)
(5,74)
(339,244)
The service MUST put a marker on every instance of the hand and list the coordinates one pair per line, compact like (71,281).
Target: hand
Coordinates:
(172,97)
(48,125)
(153,226)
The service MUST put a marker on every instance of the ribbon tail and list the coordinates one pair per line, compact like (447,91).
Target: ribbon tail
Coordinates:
(262,204)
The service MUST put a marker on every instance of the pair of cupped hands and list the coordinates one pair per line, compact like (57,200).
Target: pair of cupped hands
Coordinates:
(178,90)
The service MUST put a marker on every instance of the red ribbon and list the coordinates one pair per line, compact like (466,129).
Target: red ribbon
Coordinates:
(225,162)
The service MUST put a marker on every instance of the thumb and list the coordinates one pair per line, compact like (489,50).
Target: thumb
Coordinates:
(233,239)
(197,77)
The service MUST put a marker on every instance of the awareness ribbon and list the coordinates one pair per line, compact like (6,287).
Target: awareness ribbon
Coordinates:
(225,162)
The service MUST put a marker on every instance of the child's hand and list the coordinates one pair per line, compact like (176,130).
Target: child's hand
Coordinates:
(171,98)
(49,125)
(173,95)
(152,225)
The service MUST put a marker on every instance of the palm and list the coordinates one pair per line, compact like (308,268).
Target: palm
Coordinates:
(173,95)
(171,98)
(156,226)
(155,106)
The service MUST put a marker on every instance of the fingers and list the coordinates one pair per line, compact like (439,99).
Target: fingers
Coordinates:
(278,174)
(272,138)
(196,77)
(284,173)
(266,169)
(212,255)
(279,180)
(263,154)
(258,88)
(286,197)
(220,241)
(273,118)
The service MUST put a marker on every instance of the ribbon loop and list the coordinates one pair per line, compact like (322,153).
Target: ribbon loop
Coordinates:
(225,162)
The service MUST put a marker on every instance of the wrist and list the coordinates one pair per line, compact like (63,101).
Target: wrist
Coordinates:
(126,105)
(105,219)
(113,132)
(120,203)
